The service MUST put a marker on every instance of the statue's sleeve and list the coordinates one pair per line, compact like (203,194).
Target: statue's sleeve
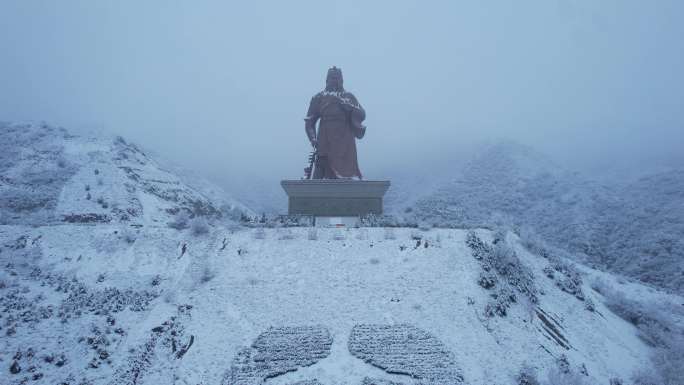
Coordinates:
(358,110)
(357,116)
(312,116)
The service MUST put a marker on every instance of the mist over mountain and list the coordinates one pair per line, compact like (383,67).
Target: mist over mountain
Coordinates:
(634,228)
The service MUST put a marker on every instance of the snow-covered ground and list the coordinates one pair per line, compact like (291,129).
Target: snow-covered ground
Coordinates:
(224,288)
(101,282)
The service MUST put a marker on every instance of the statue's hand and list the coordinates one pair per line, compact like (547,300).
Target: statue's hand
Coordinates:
(348,105)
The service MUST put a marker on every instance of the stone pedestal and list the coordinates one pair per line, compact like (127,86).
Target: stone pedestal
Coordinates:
(335,197)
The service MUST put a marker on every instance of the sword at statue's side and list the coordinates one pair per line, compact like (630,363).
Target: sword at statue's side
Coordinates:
(310,129)
(308,171)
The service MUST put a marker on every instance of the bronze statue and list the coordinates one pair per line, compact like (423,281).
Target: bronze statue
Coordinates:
(341,118)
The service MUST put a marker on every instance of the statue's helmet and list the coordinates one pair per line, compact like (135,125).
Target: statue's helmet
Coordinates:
(333,82)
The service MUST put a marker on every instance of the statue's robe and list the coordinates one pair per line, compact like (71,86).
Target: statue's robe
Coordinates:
(340,116)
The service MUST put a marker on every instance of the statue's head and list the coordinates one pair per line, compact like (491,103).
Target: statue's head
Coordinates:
(333,82)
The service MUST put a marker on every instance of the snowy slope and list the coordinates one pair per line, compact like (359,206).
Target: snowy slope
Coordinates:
(50,176)
(99,302)
(634,229)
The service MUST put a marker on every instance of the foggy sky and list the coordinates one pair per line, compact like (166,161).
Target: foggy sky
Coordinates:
(223,86)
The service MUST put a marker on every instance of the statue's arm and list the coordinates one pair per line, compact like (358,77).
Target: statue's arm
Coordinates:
(357,115)
(310,120)
(356,107)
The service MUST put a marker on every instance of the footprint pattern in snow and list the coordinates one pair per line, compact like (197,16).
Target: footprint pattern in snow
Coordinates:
(405,349)
(278,351)
(396,349)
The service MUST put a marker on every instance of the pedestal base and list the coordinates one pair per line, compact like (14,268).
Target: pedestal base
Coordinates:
(335,197)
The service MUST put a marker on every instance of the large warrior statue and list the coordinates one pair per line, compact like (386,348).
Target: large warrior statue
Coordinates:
(341,118)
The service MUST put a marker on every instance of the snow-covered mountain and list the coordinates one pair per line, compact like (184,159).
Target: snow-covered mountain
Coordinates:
(506,179)
(92,293)
(647,236)
(635,229)
(48,176)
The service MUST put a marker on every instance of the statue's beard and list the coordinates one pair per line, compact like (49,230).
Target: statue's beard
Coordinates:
(334,86)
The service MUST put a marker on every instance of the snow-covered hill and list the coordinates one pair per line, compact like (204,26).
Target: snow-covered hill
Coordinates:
(635,229)
(48,176)
(647,240)
(83,303)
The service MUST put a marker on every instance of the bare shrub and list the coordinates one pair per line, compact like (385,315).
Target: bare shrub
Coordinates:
(562,374)
(487,279)
(526,376)
(502,269)
(507,264)
(657,327)
(478,248)
(569,278)
(372,220)
(500,302)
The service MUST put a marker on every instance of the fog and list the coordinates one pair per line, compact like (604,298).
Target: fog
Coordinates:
(223,86)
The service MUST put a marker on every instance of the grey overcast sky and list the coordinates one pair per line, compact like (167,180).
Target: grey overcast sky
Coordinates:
(224,85)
